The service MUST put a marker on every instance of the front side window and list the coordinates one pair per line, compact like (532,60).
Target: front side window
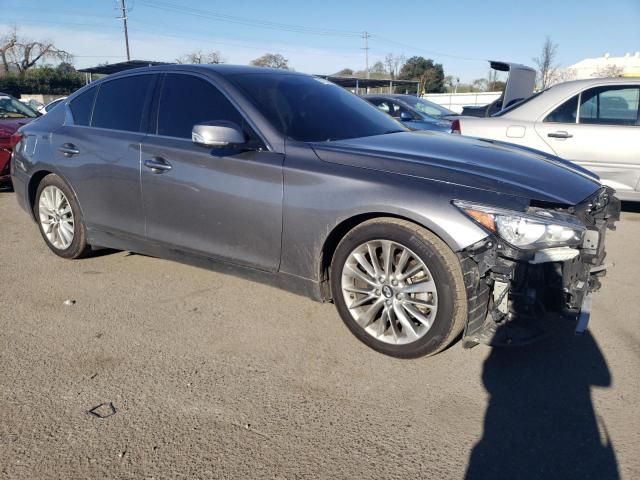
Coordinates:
(120,103)
(611,105)
(81,107)
(187,100)
(309,109)
(565,113)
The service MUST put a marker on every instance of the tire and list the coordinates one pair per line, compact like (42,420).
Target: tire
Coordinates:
(65,244)
(425,312)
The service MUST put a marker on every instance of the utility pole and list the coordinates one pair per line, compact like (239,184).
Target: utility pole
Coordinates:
(366,36)
(126,30)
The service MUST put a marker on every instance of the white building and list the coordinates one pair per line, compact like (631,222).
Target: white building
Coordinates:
(605,66)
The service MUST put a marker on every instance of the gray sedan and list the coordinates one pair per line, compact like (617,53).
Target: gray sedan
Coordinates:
(283,178)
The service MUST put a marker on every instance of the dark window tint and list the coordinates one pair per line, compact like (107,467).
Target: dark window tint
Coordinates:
(81,106)
(613,105)
(187,100)
(565,113)
(120,103)
(309,109)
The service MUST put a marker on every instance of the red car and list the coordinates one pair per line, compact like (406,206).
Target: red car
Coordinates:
(13,115)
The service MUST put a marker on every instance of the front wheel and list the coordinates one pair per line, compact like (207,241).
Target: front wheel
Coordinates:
(399,288)
(59,218)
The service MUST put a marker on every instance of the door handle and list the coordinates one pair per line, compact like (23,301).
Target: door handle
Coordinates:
(157,165)
(68,150)
(560,134)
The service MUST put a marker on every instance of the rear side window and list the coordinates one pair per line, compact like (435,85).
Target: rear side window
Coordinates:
(81,106)
(186,101)
(612,105)
(565,113)
(120,103)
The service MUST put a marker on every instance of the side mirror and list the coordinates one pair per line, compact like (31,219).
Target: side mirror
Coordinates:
(406,116)
(217,134)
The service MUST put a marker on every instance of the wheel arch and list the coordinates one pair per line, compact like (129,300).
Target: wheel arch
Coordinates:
(34,182)
(345,226)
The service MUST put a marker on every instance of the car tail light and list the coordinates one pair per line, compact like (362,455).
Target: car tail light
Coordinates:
(15,139)
(455,127)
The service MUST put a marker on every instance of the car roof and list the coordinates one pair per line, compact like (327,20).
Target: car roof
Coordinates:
(222,69)
(561,92)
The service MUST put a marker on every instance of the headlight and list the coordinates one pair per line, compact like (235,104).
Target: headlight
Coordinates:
(536,228)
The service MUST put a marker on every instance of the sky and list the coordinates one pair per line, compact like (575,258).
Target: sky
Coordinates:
(325,36)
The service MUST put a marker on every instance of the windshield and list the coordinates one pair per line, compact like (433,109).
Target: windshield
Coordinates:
(12,108)
(429,108)
(310,109)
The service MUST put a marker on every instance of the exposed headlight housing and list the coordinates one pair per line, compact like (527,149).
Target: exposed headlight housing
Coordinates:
(535,229)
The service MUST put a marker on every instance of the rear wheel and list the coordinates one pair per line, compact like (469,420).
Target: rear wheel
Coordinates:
(399,288)
(60,219)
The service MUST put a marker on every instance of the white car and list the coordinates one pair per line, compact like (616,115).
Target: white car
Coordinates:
(594,123)
(49,106)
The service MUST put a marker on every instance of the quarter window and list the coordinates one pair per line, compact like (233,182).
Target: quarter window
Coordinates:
(611,105)
(81,106)
(565,113)
(186,101)
(120,103)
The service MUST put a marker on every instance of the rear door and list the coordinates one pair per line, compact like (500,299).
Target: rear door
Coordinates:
(99,153)
(220,203)
(599,130)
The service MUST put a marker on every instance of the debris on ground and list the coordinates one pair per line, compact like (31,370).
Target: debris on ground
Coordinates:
(104,410)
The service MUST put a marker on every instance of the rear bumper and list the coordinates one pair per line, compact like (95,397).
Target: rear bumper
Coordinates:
(20,181)
(508,288)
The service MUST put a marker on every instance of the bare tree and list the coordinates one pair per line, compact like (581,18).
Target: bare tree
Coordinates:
(213,57)
(547,68)
(609,70)
(271,60)
(22,54)
(394,63)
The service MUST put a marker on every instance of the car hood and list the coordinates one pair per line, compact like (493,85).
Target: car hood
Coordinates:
(475,163)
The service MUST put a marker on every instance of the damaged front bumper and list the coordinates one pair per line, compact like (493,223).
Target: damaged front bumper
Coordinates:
(509,288)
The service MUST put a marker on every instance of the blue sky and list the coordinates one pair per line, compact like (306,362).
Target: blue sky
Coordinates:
(323,36)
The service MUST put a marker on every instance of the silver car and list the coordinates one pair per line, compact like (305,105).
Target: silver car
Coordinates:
(594,123)
(417,237)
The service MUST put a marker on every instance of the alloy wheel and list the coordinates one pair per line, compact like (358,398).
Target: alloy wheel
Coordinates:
(56,217)
(389,291)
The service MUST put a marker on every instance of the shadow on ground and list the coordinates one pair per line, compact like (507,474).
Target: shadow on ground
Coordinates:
(631,207)
(540,422)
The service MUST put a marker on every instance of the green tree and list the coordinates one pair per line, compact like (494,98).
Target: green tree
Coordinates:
(271,60)
(429,74)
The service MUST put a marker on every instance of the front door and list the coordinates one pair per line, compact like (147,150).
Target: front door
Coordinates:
(221,203)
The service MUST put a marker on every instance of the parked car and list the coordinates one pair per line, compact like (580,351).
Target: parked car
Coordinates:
(416,113)
(49,106)
(13,115)
(519,86)
(292,180)
(594,123)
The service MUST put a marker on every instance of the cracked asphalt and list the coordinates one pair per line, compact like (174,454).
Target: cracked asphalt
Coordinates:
(212,376)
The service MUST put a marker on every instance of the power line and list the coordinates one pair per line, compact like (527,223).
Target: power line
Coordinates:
(181,9)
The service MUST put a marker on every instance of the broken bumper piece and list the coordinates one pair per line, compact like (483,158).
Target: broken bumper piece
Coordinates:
(510,290)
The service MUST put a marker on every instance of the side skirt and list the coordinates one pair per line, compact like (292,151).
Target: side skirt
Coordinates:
(305,287)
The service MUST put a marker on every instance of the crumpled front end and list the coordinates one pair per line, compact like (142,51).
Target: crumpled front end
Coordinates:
(508,288)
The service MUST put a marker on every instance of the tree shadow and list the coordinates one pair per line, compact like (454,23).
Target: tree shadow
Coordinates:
(540,422)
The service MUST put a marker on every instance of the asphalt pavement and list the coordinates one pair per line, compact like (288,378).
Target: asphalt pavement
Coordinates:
(126,366)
